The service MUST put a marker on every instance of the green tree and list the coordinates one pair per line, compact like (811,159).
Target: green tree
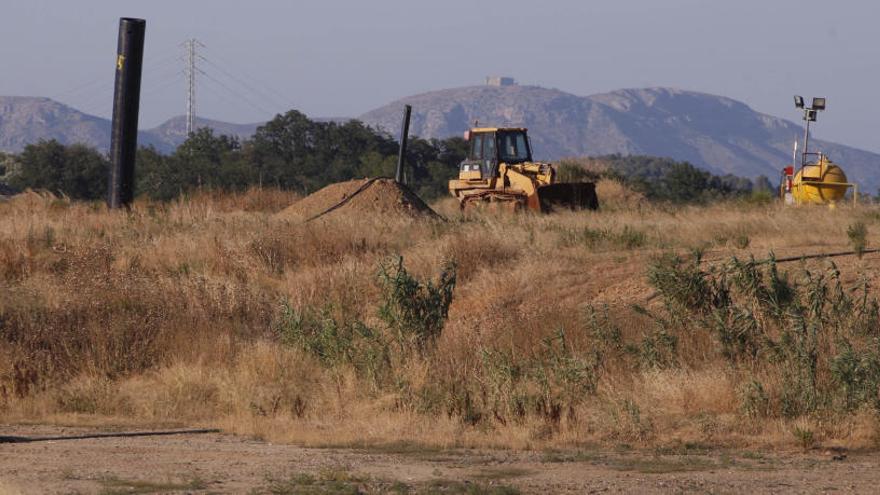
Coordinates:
(9,166)
(202,161)
(433,163)
(375,164)
(293,152)
(280,149)
(76,170)
(157,175)
(684,182)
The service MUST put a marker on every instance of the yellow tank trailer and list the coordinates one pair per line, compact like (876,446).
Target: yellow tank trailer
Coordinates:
(818,181)
(823,182)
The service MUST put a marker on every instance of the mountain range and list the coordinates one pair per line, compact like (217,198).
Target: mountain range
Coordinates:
(25,120)
(715,133)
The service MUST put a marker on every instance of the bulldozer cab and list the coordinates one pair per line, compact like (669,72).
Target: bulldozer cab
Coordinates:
(490,146)
(513,146)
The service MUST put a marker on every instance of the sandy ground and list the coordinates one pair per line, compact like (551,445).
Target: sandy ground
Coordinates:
(218,463)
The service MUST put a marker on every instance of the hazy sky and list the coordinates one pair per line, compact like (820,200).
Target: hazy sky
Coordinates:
(343,58)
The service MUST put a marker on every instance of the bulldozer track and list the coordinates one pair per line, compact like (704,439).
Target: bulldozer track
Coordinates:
(511,199)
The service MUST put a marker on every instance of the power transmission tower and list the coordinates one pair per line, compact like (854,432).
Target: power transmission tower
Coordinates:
(191,45)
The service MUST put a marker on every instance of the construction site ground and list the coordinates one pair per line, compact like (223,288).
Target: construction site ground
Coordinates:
(220,463)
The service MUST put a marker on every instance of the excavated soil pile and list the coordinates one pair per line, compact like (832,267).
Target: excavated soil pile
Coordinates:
(362,196)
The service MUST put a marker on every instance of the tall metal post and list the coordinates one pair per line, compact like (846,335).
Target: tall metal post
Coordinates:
(404,136)
(806,142)
(126,102)
(190,86)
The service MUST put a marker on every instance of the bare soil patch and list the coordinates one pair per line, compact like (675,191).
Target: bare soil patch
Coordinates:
(217,463)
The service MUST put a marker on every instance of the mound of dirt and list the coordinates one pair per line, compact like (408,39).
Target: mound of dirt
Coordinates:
(370,196)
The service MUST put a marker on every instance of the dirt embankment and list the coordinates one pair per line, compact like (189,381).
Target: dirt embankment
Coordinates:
(368,196)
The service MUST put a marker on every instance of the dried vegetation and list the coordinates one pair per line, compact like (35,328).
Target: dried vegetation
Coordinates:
(638,325)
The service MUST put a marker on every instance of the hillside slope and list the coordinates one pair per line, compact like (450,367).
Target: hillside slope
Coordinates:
(25,119)
(171,133)
(713,132)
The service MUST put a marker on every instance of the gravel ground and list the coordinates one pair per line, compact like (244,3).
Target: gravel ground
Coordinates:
(219,463)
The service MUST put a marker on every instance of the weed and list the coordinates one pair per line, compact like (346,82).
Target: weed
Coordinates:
(661,465)
(858,237)
(463,487)
(631,424)
(630,238)
(327,483)
(857,374)
(600,326)
(627,238)
(118,486)
(805,437)
(763,321)
(564,456)
(682,284)
(754,400)
(415,311)
(742,241)
(336,343)
(657,349)
(343,483)
(496,474)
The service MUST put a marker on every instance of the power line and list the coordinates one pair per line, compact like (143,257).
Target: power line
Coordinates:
(235,93)
(268,98)
(236,88)
(231,97)
(247,75)
(168,82)
(152,63)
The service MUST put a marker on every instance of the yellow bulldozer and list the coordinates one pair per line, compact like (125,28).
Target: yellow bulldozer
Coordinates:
(499,171)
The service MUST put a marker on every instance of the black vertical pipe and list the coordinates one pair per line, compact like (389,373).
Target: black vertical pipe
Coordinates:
(404,136)
(126,101)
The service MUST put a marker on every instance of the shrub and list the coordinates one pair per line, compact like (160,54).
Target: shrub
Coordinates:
(858,237)
(682,284)
(627,238)
(415,311)
(76,170)
(336,344)
(802,332)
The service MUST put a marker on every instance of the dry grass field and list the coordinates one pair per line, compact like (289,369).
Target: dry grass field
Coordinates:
(563,330)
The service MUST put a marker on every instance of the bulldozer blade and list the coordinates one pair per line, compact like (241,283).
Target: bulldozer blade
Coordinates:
(568,195)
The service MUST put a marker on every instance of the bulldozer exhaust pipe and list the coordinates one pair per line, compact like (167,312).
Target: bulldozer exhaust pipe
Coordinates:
(126,102)
(404,137)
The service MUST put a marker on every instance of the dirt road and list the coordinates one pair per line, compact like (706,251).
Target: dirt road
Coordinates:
(218,463)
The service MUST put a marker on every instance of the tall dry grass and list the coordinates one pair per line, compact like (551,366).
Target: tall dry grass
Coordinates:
(210,310)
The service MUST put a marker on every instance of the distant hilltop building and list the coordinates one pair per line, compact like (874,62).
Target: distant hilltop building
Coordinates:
(500,81)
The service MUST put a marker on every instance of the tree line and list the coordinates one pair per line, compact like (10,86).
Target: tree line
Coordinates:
(288,152)
(295,153)
(665,179)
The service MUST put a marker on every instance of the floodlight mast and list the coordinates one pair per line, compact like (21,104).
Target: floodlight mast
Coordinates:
(810,114)
(806,141)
